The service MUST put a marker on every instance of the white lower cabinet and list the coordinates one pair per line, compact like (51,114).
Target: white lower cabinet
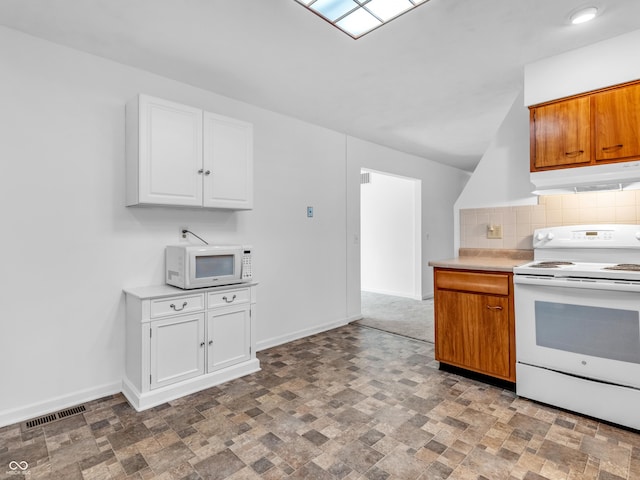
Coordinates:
(177,349)
(180,342)
(229,337)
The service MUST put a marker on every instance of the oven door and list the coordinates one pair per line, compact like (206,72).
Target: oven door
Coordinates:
(588,328)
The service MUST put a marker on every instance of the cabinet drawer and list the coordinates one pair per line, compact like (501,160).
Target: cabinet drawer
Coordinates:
(230,297)
(183,304)
(492,283)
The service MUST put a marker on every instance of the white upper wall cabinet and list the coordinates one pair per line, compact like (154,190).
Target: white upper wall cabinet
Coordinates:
(228,162)
(183,156)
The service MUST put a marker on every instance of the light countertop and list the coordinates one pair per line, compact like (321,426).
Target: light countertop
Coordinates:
(161,291)
(486,259)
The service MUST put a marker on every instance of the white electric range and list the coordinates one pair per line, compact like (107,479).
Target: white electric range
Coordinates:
(577,308)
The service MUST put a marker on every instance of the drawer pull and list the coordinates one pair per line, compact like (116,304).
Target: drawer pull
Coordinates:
(210,342)
(575,153)
(229,301)
(612,148)
(498,307)
(202,344)
(178,309)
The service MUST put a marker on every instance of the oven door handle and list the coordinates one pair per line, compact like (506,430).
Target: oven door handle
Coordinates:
(570,282)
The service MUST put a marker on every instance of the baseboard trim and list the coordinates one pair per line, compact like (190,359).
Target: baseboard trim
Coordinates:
(290,337)
(143,400)
(16,415)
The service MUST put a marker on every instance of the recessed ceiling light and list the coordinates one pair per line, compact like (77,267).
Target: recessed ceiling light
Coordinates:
(583,15)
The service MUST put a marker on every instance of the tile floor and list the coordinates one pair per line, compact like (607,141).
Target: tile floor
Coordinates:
(351,403)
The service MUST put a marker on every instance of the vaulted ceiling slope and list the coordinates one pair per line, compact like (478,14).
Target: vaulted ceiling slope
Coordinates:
(435,82)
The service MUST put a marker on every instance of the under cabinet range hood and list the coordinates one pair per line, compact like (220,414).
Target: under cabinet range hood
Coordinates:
(609,176)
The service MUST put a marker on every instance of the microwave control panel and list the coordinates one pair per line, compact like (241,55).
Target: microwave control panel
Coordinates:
(246,265)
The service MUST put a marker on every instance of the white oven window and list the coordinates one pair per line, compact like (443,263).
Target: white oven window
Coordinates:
(596,331)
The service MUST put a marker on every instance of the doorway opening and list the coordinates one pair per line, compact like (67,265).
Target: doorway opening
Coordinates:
(390,234)
(391,255)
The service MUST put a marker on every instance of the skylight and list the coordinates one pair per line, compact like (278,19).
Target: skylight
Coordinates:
(357,17)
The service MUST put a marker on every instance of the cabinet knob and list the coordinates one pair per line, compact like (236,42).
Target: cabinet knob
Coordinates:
(200,171)
(202,344)
(210,342)
(207,172)
(178,309)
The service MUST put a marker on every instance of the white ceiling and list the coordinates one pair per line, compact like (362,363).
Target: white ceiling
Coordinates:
(435,82)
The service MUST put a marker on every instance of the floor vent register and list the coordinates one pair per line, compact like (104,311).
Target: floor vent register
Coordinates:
(52,417)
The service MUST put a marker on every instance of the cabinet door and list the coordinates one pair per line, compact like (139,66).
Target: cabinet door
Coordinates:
(473,331)
(617,123)
(561,134)
(228,162)
(229,337)
(170,136)
(177,349)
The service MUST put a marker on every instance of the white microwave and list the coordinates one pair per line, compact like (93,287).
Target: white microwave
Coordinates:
(197,266)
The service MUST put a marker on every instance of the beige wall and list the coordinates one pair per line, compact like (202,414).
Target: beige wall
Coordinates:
(519,222)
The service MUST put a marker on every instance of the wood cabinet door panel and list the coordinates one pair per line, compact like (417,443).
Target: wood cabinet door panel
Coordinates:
(493,335)
(617,123)
(473,331)
(562,133)
(451,329)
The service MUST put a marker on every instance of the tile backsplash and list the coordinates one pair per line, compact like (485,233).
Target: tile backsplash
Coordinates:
(519,222)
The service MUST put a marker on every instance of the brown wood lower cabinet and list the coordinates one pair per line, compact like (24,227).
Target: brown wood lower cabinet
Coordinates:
(474,323)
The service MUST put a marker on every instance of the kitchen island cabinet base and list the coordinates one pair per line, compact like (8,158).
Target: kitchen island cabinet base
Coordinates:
(144,400)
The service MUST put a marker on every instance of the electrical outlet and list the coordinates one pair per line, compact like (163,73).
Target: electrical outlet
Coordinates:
(182,237)
(494,231)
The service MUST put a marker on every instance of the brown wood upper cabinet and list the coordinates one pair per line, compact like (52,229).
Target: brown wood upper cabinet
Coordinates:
(597,127)
(617,123)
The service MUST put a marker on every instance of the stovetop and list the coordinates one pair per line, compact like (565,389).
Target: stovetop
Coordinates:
(586,251)
(563,268)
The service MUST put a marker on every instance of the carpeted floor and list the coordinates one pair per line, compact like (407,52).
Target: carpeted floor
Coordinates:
(399,315)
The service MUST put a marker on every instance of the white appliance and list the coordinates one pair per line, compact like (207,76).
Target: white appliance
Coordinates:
(608,176)
(196,266)
(577,308)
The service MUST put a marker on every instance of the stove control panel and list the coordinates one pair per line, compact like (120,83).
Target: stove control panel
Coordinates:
(588,236)
(592,235)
